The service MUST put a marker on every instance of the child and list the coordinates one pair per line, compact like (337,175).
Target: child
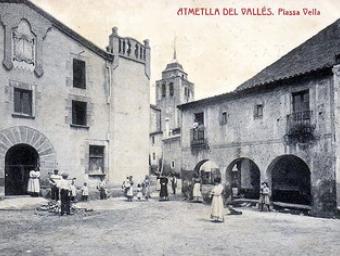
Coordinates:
(139,192)
(129,193)
(73,190)
(85,192)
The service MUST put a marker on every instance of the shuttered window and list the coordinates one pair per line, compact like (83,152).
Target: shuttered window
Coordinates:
(79,74)
(23,101)
(79,109)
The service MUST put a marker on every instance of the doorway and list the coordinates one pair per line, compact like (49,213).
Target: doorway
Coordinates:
(20,159)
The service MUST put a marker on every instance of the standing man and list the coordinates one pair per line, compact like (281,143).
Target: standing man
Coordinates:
(174,183)
(65,194)
(54,183)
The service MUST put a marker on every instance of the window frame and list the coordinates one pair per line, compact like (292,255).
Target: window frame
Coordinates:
(81,84)
(21,112)
(96,156)
(171,89)
(163,90)
(224,117)
(258,115)
(73,123)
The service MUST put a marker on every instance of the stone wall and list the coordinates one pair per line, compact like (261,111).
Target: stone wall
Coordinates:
(117,96)
(263,139)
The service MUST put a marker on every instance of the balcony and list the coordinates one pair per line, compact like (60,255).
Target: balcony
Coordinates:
(198,138)
(300,128)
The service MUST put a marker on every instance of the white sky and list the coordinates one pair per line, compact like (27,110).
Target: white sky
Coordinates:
(218,52)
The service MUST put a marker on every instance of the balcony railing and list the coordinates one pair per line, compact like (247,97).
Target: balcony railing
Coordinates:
(198,137)
(300,127)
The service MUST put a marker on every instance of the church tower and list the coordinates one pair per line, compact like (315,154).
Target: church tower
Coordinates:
(172,90)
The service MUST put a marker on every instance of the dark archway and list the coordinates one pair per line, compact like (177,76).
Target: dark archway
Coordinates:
(243,179)
(20,159)
(290,180)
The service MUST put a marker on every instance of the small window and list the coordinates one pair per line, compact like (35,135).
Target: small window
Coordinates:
(96,159)
(154,156)
(163,90)
(258,111)
(153,140)
(224,118)
(173,164)
(79,74)
(79,113)
(23,101)
(171,89)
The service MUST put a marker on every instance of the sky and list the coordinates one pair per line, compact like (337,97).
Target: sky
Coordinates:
(218,52)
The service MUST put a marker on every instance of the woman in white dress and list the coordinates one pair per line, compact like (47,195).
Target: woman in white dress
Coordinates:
(33,187)
(196,191)
(217,206)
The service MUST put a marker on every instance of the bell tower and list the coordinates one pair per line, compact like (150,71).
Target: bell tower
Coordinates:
(172,90)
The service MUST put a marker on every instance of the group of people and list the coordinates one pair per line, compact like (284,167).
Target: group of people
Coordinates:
(142,190)
(64,190)
(192,189)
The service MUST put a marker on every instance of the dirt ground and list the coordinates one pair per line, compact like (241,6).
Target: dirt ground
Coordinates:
(116,227)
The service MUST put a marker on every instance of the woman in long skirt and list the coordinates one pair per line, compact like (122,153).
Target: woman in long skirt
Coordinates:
(33,187)
(217,207)
(163,194)
(196,191)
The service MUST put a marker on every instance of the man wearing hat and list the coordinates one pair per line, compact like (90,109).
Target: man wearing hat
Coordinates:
(65,194)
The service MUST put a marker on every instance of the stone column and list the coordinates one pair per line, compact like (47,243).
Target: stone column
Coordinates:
(336,86)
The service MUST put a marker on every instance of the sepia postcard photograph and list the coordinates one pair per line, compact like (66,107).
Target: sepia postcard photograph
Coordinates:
(169,127)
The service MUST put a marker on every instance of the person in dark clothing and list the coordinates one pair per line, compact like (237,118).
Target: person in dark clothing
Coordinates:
(163,194)
(65,195)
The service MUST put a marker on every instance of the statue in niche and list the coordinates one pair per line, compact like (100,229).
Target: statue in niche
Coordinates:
(23,43)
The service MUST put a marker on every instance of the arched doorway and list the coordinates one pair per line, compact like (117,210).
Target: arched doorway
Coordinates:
(19,160)
(243,179)
(208,171)
(290,180)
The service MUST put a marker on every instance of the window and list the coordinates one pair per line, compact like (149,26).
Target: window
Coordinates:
(154,156)
(23,101)
(79,112)
(96,159)
(258,111)
(153,140)
(79,74)
(224,118)
(173,164)
(163,90)
(300,101)
(199,118)
(171,89)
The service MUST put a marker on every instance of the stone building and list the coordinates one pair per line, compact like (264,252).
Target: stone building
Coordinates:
(280,126)
(165,134)
(67,104)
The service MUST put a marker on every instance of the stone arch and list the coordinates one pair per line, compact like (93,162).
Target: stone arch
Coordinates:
(289,178)
(12,136)
(243,177)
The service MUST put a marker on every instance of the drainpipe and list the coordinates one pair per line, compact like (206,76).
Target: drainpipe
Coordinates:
(108,102)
